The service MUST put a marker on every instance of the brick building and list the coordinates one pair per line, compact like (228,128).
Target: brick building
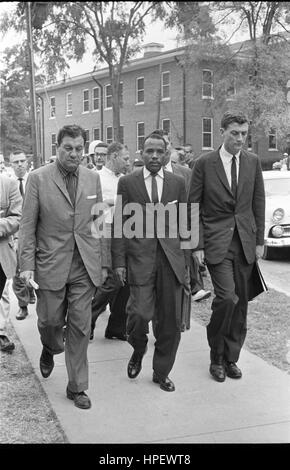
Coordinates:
(156,93)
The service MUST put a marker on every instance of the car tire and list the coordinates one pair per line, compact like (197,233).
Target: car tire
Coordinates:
(267,254)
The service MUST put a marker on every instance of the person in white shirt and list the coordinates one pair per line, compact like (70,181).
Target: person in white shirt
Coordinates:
(112,292)
(25,295)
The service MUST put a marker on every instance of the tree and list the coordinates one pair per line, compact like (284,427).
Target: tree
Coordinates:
(115,28)
(250,75)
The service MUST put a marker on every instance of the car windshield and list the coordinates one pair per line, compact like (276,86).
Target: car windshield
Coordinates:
(277,187)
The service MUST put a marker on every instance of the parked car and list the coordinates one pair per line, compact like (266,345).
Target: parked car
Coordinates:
(277,214)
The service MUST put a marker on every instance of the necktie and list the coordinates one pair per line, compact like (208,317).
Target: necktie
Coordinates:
(21,186)
(71,187)
(234,177)
(154,191)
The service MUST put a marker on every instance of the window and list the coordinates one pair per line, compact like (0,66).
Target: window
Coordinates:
(53,145)
(140,135)
(68,104)
(87,142)
(207,84)
(207,133)
(96,99)
(166,125)
(108,96)
(272,139)
(86,103)
(52,106)
(109,135)
(140,90)
(165,85)
(96,133)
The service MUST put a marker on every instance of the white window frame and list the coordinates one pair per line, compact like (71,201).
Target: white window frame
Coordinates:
(52,108)
(96,129)
(68,111)
(109,141)
(139,136)
(53,145)
(166,119)
(86,101)
(206,132)
(95,110)
(107,96)
(140,90)
(207,97)
(270,134)
(165,98)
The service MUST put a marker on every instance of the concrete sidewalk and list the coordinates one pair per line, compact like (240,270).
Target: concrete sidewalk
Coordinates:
(255,409)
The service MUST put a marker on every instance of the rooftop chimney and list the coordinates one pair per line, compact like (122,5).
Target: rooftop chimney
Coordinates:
(153,48)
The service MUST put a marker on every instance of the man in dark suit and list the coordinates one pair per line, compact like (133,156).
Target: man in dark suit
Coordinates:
(228,185)
(58,248)
(152,262)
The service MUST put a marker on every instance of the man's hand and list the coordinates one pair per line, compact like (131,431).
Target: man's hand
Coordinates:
(259,251)
(27,275)
(121,275)
(105,273)
(199,255)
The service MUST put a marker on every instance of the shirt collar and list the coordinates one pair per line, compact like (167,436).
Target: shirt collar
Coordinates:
(225,154)
(147,173)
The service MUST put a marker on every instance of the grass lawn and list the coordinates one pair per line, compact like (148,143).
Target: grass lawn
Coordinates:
(268,333)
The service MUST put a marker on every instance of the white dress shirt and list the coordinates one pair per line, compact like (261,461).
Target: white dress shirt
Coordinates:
(226,159)
(109,184)
(148,182)
(24,179)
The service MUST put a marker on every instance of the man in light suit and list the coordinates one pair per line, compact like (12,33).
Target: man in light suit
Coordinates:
(154,266)
(228,185)
(59,250)
(10,213)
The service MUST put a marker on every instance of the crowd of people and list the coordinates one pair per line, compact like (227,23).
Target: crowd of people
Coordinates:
(87,233)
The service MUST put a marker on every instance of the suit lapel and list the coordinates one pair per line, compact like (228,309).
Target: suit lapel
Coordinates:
(166,189)
(58,180)
(244,170)
(81,184)
(140,186)
(221,172)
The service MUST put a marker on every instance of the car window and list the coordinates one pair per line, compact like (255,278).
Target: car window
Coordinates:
(277,187)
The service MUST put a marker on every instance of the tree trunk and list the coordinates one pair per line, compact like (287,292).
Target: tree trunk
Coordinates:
(115,83)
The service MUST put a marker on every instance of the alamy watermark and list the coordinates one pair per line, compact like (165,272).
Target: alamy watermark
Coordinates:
(177,220)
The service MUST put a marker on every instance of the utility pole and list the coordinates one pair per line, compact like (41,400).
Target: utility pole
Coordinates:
(34,127)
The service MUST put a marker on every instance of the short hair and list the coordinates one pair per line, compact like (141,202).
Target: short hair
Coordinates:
(101,144)
(15,153)
(72,130)
(115,147)
(155,135)
(230,117)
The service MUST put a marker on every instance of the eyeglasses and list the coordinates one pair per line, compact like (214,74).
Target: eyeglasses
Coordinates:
(100,154)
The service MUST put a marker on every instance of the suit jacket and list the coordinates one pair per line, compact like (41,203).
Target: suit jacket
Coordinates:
(10,207)
(50,227)
(220,214)
(182,171)
(139,253)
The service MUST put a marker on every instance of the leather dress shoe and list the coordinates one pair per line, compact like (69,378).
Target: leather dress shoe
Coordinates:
(165,384)
(80,399)
(46,363)
(218,371)
(111,335)
(232,370)
(134,365)
(5,344)
(22,313)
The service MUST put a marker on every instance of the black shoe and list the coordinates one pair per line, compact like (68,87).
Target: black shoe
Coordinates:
(134,365)
(5,344)
(46,363)
(232,370)
(22,313)
(165,384)
(80,399)
(218,371)
(111,335)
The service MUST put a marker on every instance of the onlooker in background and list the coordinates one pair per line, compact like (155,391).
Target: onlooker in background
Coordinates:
(181,156)
(189,155)
(112,291)
(25,294)
(10,214)
(227,183)
(2,164)
(57,247)
(101,150)
(137,164)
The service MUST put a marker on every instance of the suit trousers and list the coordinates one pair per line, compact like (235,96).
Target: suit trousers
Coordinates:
(227,327)
(114,294)
(21,290)
(70,305)
(160,300)
(196,281)
(4,307)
